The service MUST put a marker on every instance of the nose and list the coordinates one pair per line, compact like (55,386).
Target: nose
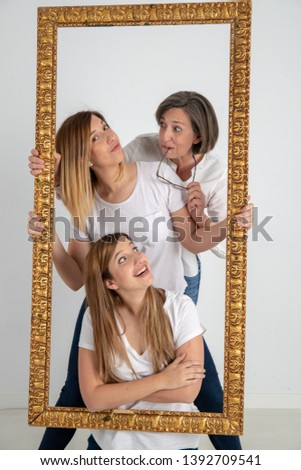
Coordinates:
(111,136)
(138,257)
(165,135)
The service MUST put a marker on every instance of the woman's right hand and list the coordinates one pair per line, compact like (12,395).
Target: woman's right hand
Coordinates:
(181,373)
(36,164)
(34,227)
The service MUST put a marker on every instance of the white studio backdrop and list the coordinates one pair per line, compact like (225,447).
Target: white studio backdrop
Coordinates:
(273,320)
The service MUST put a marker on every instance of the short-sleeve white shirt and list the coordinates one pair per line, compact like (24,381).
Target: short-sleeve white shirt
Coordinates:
(145,217)
(185,326)
(211,173)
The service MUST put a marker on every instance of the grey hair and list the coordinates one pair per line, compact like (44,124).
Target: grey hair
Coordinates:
(202,116)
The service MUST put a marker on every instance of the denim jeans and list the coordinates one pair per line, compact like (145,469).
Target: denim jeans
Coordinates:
(209,399)
(70,396)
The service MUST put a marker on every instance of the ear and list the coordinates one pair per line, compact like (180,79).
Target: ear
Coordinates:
(197,140)
(110,284)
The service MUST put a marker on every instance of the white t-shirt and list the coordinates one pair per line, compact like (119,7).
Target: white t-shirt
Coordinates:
(185,326)
(211,173)
(145,217)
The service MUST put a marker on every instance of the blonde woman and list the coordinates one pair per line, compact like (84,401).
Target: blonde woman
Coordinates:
(104,195)
(140,347)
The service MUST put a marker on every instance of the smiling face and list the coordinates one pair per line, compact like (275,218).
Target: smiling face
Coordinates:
(129,268)
(105,149)
(176,135)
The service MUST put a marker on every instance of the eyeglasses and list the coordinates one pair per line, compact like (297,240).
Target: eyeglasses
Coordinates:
(175,185)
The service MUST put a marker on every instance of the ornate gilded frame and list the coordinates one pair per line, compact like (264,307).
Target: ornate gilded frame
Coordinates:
(238,15)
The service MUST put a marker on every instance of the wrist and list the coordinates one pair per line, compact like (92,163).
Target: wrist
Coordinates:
(160,381)
(202,220)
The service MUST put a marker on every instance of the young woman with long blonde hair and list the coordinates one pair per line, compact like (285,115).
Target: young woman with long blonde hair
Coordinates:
(140,347)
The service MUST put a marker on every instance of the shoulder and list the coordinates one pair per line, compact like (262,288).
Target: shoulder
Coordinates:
(183,317)
(150,168)
(86,339)
(144,147)
(147,168)
(212,160)
(177,302)
(87,320)
(211,168)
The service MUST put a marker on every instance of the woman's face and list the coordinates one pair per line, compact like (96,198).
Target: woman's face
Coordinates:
(129,268)
(104,144)
(176,135)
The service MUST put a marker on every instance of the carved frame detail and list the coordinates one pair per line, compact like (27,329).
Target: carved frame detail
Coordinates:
(238,15)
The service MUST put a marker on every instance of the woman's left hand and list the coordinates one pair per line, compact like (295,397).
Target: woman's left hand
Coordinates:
(245,218)
(196,202)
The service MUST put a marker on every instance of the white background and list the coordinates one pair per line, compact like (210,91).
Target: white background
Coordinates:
(273,323)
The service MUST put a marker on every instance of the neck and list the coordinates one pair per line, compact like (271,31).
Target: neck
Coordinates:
(185,165)
(133,301)
(106,180)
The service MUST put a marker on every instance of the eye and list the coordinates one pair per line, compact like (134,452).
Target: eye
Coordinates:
(121,260)
(162,124)
(95,137)
(135,249)
(177,129)
(106,127)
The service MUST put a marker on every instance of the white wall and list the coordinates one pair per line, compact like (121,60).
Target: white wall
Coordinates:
(273,324)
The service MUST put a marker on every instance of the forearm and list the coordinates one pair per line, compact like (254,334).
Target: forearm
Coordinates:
(109,396)
(211,233)
(67,268)
(205,235)
(197,234)
(180,395)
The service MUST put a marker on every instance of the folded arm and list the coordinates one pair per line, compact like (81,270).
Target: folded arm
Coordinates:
(193,350)
(99,396)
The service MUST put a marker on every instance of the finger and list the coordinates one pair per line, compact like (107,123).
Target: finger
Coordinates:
(247,208)
(244,223)
(35,223)
(195,194)
(196,188)
(35,159)
(194,184)
(35,152)
(35,166)
(35,230)
(32,214)
(35,172)
(195,198)
(34,233)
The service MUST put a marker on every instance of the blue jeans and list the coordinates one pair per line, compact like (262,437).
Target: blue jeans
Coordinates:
(209,399)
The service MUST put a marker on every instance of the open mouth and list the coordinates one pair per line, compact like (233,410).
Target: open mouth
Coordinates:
(141,271)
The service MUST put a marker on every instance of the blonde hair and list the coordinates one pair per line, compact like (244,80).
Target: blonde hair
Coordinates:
(103,303)
(77,179)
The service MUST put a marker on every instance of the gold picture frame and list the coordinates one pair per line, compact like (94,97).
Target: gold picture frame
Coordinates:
(238,15)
